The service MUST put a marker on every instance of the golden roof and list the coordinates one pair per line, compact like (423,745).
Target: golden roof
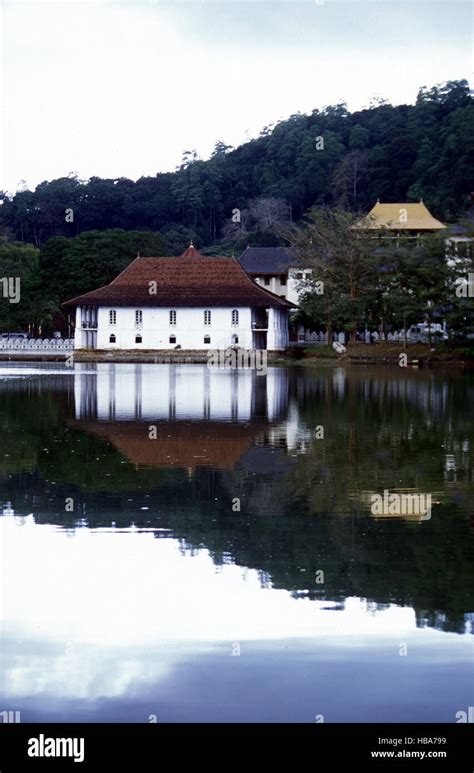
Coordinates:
(401,217)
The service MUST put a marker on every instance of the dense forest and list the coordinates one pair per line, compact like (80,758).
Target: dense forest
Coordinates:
(331,157)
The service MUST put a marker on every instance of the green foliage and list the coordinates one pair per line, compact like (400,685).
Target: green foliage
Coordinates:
(64,268)
(395,153)
(35,307)
(70,267)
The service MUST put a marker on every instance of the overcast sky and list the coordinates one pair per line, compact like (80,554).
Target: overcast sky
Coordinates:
(122,88)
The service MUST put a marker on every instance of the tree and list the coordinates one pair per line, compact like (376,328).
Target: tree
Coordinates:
(35,308)
(329,157)
(347,176)
(345,266)
(71,267)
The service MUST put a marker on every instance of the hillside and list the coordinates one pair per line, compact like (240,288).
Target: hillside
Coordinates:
(395,153)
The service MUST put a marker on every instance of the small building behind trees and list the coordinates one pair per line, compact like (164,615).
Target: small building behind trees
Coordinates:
(277,269)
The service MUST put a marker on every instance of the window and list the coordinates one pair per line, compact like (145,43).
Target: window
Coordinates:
(172,339)
(235,316)
(299,275)
(138,339)
(138,317)
(207,317)
(266,280)
(207,339)
(235,339)
(283,281)
(112,317)
(112,339)
(172,317)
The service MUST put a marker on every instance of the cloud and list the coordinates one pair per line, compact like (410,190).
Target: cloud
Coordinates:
(122,89)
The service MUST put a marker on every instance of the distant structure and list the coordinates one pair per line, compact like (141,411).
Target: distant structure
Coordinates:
(191,302)
(460,236)
(276,269)
(405,219)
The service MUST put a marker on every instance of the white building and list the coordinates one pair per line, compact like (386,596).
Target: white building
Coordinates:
(191,302)
(275,269)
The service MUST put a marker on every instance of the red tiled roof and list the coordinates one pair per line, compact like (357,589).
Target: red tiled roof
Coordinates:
(188,445)
(190,280)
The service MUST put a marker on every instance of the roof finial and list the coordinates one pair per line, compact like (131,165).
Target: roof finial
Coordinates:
(421,200)
(138,254)
(191,243)
(378,201)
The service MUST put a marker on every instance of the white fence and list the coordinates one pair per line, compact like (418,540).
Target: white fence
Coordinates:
(321,338)
(36,344)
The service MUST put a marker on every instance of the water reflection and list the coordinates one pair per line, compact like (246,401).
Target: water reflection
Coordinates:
(143,589)
(174,393)
(189,417)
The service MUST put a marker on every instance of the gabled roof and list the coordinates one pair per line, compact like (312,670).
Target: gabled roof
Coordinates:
(267,260)
(187,281)
(404,216)
(184,444)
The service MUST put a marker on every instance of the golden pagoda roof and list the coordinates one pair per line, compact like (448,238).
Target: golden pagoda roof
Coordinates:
(401,216)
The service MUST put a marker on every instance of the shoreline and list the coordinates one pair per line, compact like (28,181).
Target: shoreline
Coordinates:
(417,357)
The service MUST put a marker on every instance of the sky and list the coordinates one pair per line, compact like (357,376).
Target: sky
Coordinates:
(123,88)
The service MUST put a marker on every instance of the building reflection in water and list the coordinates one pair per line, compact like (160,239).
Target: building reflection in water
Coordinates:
(185,415)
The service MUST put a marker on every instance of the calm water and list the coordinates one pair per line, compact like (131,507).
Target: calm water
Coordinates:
(194,545)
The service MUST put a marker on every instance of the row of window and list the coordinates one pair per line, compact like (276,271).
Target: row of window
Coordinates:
(172,339)
(172,317)
(266,281)
(297,275)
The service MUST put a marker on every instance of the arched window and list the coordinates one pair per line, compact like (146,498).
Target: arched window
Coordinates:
(172,316)
(207,339)
(207,317)
(112,339)
(235,316)
(138,339)
(235,339)
(172,339)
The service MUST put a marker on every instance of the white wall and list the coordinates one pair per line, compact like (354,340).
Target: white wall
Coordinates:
(291,290)
(272,283)
(189,330)
(156,330)
(277,336)
(295,285)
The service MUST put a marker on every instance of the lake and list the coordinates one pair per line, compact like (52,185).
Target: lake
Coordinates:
(185,544)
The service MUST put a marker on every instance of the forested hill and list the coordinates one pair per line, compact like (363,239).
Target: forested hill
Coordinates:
(329,157)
